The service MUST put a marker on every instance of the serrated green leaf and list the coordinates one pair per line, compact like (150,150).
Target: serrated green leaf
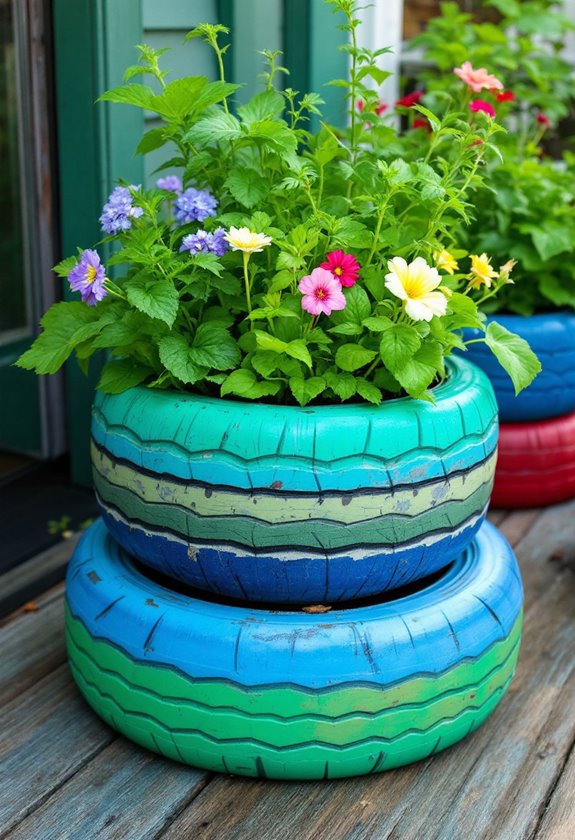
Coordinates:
(368,391)
(398,344)
(275,135)
(214,129)
(421,369)
(243,383)
(357,307)
(156,298)
(265,362)
(120,374)
(346,329)
(377,323)
(63,268)
(153,139)
(65,326)
(513,354)
(214,347)
(247,186)
(342,384)
(350,357)
(142,96)
(265,105)
(175,356)
(265,341)
(433,120)
(305,390)
(298,350)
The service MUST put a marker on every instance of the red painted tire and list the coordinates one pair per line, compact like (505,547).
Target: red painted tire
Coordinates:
(536,463)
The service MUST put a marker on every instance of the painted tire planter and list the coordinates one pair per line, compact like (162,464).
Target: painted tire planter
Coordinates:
(536,463)
(296,505)
(290,695)
(552,393)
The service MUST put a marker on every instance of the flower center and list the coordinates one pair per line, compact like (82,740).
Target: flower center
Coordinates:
(91,274)
(414,287)
(320,293)
(338,271)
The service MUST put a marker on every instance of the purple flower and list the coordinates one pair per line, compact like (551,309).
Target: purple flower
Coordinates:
(203,242)
(194,206)
(219,243)
(119,210)
(88,277)
(171,183)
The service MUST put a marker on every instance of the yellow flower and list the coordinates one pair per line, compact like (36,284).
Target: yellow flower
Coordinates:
(482,272)
(445,261)
(244,239)
(505,270)
(414,284)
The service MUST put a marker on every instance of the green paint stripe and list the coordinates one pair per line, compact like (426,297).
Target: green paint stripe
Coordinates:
(227,723)
(390,529)
(247,754)
(273,507)
(287,701)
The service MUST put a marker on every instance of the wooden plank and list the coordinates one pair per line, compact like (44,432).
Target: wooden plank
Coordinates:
(35,575)
(124,792)
(492,785)
(32,645)
(558,820)
(47,735)
(517,524)
(496,515)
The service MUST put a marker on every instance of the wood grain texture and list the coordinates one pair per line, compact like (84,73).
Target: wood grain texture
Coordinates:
(48,734)
(105,798)
(558,819)
(513,780)
(27,579)
(32,644)
(492,786)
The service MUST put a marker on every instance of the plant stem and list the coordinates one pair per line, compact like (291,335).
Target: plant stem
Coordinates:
(246,256)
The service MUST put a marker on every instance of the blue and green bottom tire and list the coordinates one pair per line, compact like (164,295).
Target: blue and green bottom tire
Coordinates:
(287,694)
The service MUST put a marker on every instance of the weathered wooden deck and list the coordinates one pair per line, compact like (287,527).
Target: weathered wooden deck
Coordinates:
(67,775)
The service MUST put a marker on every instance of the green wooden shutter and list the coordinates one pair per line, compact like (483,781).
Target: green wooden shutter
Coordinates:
(93,44)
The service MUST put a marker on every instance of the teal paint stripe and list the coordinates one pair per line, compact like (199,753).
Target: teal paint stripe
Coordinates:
(293,473)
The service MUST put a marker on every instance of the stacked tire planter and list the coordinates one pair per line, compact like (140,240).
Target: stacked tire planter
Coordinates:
(536,463)
(295,593)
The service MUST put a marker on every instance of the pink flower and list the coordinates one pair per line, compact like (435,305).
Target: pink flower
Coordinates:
(410,99)
(344,267)
(477,79)
(420,122)
(507,96)
(543,120)
(381,108)
(482,105)
(321,292)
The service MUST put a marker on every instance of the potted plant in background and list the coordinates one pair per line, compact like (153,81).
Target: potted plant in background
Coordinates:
(525,212)
(282,424)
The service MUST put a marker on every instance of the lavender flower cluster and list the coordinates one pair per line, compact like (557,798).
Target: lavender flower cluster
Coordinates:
(119,210)
(203,242)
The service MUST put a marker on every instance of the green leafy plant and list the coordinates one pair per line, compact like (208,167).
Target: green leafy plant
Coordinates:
(525,206)
(283,265)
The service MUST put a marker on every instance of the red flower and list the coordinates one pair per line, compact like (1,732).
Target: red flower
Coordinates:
(379,109)
(506,96)
(410,99)
(420,122)
(344,267)
(482,105)
(543,120)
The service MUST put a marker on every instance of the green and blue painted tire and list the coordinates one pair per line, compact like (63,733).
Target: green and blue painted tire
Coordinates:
(296,505)
(285,694)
